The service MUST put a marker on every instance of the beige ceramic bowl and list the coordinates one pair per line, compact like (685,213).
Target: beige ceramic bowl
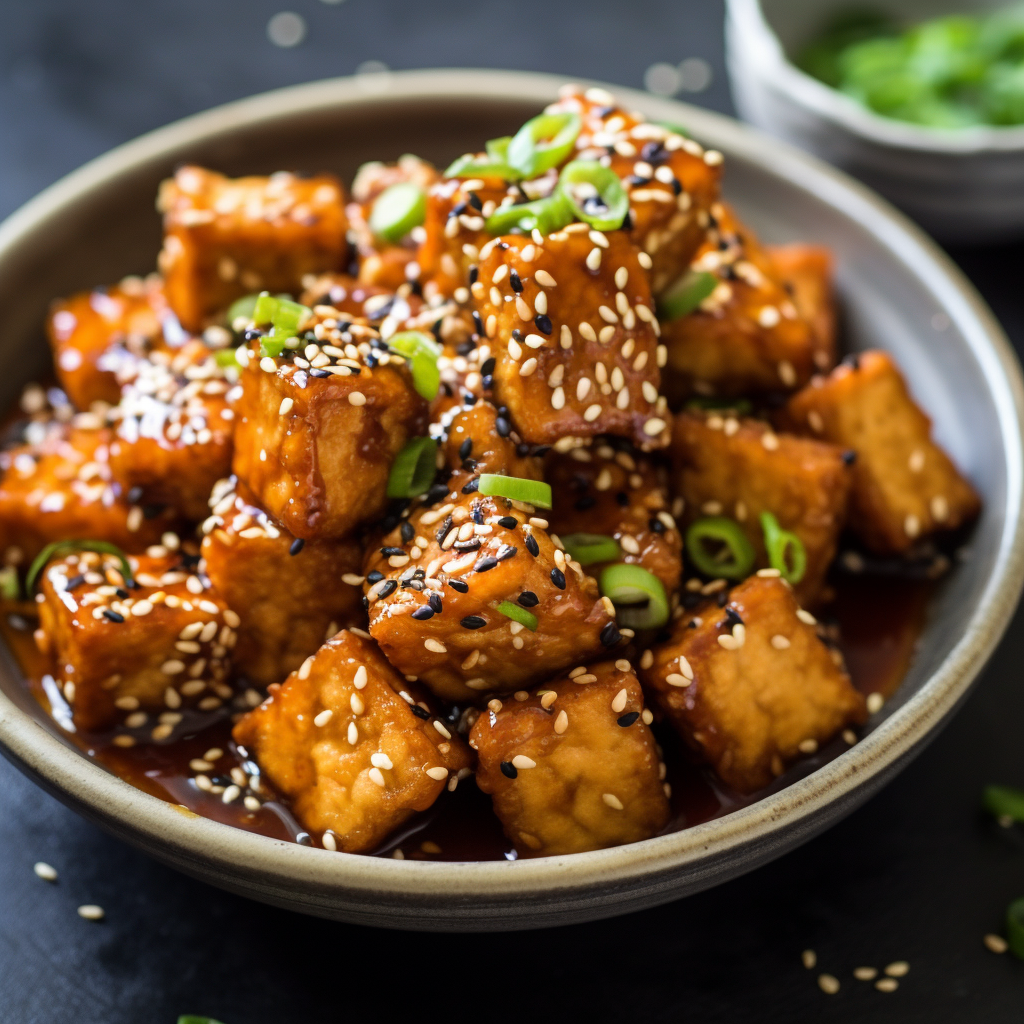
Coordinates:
(899,292)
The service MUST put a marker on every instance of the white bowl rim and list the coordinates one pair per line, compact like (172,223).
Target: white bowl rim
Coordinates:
(108,799)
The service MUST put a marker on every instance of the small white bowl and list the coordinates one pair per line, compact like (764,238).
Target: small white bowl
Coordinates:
(962,185)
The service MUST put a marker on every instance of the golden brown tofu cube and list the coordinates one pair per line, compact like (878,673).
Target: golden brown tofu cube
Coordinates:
(574,767)
(480,440)
(96,336)
(748,336)
(571,327)
(353,746)
(316,434)
(224,238)
(289,594)
(751,687)
(739,468)
(125,656)
(905,486)
(620,494)
(806,273)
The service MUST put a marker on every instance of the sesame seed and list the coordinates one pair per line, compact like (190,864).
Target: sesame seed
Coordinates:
(528,367)
(377,777)
(612,801)
(44,871)
(654,426)
(779,642)
(849,737)
(435,645)
(565,336)
(621,278)
(438,774)
(593,260)
(996,943)
(875,702)
(586,331)
(521,762)
(592,412)
(91,912)
(561,722)
(324,717)
(619,701)
(887,984)
(865,973)
(809,959)
(808,746)
(353,734)
(357,398)
(676,679)
(805,616)
(582,388)
(523,309)
(828,984)
(898,969)
(355,702)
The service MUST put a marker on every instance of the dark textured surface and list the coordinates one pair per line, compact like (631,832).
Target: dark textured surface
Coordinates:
(918,874)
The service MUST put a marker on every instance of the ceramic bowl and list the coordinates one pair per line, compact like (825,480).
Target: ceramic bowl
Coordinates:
(964,185)
(898,292)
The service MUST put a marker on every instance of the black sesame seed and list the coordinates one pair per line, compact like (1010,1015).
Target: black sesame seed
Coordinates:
(522,449)
(474,272)
(485,563)
(509,770)
(733,617)
(445,527)
(656,526)
(473,622)
(152,511)
(473,544)
(472,487)
(478,323)
(721,598)
(134,495)
(487,382)
(122,593)
(691,600)
(543,323)
(502,426)
(374,576)
(531,545)
(459,586)
(296,546)
(75,581)
(610,635)
(419,712)
(465,347)
(316,372)
(466,448)
(474,201)
(477,515)
(505,552)
(582,504)
(558,578)
(389,551)
(407,531)
(508,522)
(436,493)
(366,604)
(388,589)
(627,719)
(112,615)
(622,499)
(513,279)
(488,365)
(303,839)
(423,612)
(849,457)
(457,209)
(528,599)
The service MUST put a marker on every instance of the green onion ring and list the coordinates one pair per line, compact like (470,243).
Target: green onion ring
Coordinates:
(591,548)
(397,210)
(542,143)
(735,544)
(686,294)
(497,149)
(66,546)
(546,215)
(1004,802)
(513,611)
(638,595)
(470,166)
(421,351)
(413,470)
(1015,927)
(610,193)
(516,488)
(784,547)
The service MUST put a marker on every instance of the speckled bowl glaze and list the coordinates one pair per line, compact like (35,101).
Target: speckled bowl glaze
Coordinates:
(898,292)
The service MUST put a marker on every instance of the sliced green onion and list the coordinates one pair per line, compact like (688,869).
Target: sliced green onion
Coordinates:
(9,586)
(397,210)
(686,294)
(413,470)
(271,346)
(513,611)
(288,316)
(265,307)
(718,547)
(60,547)
(786,551)
(591,548)
(1004,802)
(422,351)
(284,315)
(638,596)
(743,406)
(595,194)
(497,149)
(516,488)
(470,166)
(227,357)
(245,306)
(542,143)
(546,215)
(1015,927)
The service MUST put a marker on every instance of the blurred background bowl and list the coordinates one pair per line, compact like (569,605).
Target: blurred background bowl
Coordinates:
(962,185)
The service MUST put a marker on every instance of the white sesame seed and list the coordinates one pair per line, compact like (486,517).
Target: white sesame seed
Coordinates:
(91,912)
(357,398)
(565,336)
(996,943)
(377,776)
(523,308)
(808,746)
(786,373)
(619,701)
(592,412)
(594,259)
(805,616)
(875,702)
(528,367)
(285,407)
(44,871)
(435,645)
(887,984)
(654,426)
(522,762)
(612,801)
(438,774)
(582,388)
(381,760)
(809,958)
(561,722)
(828,984)
(324,717)
(898,969)
(353,734)
(779,642)
(558,399)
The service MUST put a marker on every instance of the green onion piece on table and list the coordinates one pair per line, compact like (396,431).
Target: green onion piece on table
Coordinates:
(591,548)
(1015,927)
(10,589)
(544,215)
(542,143)
(686,294)
(397,210)
(1004,802)
(718,547)
(516,488)
(638,596)
(513,611)
(413,470)
(786,551)
(62,547)
(421,350)
(595,194)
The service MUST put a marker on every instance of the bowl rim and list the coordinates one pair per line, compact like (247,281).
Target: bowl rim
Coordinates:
(747,25)
(797,809)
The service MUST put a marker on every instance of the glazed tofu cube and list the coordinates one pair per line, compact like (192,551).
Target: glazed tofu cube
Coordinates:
(905,486)
(617,493)
(289,594)
(479,439)
(224,238)
(575,341)
(574,767)
(748,336)
(127,658)
(354,747)
(61,488)
(739,468)
(806,273)
(316,432)
(751,687)
(96,336)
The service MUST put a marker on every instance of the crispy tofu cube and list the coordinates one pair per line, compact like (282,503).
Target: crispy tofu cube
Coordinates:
(355,747)
(315,443)
(620,494)
(905,486)
(748,336)
(289,594)
(124,656)
(479,439)
(574,767)
(751,687)
(806,273)
(224,238)
(575,340)
(96,337)
(740,468)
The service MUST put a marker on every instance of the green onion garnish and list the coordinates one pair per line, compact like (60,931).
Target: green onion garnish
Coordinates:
(497,149)
(1004,802)
(422,351)
(191,1018)
(673,128)
(542,143)
(245,306)
(595,194)
(397,210)
(271,346)
(784,549)
(227,357)
(284,315)
(513,611)
(591,548)
(9,586)
(494,165)
(1015,927)
(413,470)
(638,596)
(516,488)
(686,294)
(60,547)
(544,215)
(719,548)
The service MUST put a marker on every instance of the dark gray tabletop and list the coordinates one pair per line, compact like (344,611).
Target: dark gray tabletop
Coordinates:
(918,874)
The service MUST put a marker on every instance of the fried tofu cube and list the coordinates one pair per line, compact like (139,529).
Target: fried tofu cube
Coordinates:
(573,335)
(289,594)
(739,468)
(355,747)
(751,687)
(574,767)
(315,437)
(480,440)
(96,335)
(224,238)
(806,273)
(124,655)
(905,486)
(620,494)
